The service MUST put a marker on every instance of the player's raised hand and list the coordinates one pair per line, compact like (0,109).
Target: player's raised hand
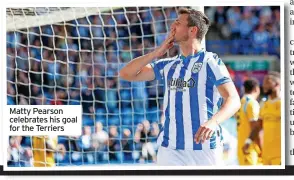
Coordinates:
(167,44)
(205,131)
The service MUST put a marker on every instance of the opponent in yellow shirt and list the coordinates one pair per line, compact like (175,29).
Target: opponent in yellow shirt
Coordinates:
(43,151)
(270,121)
(247,117)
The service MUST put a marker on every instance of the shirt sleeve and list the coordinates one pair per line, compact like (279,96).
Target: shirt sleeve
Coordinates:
(158,67)
(253,111)
(218,71)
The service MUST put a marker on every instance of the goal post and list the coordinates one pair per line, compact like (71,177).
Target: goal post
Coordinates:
(67,56)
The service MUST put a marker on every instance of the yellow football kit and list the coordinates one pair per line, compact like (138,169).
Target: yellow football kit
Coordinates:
(43,157)
(248,112)
(270,114)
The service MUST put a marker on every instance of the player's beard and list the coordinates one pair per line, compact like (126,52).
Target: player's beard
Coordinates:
(268,92)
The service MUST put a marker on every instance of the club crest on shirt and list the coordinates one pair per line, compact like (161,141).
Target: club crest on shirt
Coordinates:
(196,67)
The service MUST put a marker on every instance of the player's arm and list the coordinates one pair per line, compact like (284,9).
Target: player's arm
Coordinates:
(220,77)
(256,127)
(139,69)
(231,105)
(255,124)
(231,102)
(254,134)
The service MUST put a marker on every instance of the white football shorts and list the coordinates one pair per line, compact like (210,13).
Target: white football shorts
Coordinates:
(173,157)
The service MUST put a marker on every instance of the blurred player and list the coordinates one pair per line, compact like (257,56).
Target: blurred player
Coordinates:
(270,121)
(44,148)
(197,83)
(247,120)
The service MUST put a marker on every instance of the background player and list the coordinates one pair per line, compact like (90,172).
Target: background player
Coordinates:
(247,118)
(44,148)
(270,121)
(195,82)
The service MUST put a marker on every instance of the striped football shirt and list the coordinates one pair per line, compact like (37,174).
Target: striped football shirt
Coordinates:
(191,98)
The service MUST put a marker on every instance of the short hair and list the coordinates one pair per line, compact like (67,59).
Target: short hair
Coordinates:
(275,76)
(250,85)
(198,19)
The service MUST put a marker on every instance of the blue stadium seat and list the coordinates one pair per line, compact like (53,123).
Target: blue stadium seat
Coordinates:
(87,120)
(127,121)
(62,139)
(10,101)
(113,120)
(62,162)
(101,116)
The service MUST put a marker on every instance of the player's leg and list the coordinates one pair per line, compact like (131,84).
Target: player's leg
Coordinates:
(169,157)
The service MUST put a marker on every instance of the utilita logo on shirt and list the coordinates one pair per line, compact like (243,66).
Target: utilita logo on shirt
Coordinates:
(179,84)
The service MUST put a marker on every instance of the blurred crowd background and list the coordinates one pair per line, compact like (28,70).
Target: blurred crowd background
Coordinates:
(78,63)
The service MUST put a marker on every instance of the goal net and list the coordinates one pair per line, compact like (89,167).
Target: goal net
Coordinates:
(71,56)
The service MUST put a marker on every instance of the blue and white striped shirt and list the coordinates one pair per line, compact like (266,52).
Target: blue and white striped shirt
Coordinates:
(191,98)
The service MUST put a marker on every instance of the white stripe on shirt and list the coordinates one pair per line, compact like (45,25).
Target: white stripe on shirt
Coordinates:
(202,76)
(189,138)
